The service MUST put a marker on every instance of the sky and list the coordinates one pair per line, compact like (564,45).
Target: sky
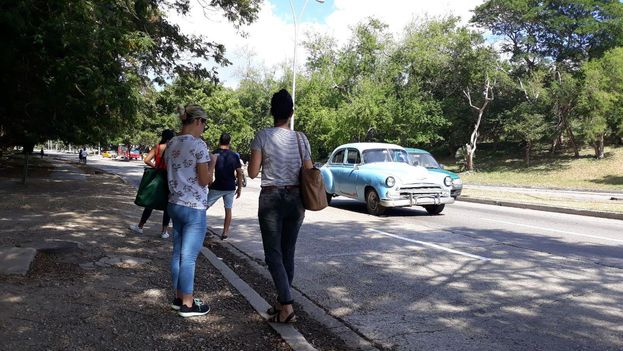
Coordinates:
(269,41)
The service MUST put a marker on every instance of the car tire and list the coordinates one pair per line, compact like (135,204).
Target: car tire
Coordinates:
(329,197)
(434,210)
(373,203)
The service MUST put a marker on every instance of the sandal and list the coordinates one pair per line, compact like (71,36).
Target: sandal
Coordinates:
(224,236)
(273,310)
(291,318)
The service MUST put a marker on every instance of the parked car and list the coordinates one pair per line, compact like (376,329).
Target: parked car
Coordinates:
(135,154)
(380,175)
(419,157)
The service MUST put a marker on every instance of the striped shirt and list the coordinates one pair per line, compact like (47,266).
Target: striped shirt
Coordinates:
(281,160)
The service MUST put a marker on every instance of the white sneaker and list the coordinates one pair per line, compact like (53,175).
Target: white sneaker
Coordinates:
(135,228)
(164,235)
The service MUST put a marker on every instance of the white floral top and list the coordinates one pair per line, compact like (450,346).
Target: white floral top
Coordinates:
(182,155)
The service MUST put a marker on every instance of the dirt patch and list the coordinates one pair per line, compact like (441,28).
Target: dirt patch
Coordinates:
(12,166)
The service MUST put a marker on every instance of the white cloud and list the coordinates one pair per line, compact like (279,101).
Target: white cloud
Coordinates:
(269,41)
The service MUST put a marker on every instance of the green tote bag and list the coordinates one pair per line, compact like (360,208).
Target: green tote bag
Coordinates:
(153,192)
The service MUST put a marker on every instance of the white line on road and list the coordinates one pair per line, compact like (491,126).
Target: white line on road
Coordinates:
(439,247)
(553,230)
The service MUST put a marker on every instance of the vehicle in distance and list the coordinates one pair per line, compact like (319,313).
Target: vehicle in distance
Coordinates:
(419,157)
(380,175)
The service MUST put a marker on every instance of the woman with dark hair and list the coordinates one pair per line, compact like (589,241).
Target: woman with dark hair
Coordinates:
(281,211)
(190,168)
(154,159)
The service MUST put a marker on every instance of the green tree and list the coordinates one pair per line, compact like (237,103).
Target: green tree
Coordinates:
(75,71)
(602,99)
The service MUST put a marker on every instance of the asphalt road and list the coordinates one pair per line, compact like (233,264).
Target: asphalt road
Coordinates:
(477,277)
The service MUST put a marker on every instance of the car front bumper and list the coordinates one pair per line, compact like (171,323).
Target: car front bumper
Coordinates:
(417,200)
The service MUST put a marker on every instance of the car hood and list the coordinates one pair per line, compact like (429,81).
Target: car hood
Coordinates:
(444,172)
(403,172)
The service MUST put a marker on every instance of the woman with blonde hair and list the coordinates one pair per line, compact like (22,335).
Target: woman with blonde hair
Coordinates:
(190,168)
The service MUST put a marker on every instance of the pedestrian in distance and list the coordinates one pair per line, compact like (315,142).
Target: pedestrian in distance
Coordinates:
(41,153)
(155,159)
(227,180)
(190,168)
(281,211)
(82,155)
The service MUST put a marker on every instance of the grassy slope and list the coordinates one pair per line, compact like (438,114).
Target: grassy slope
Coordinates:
(562,171)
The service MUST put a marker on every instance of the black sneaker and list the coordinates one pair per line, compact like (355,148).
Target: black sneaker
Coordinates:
(198,309)
(176,304)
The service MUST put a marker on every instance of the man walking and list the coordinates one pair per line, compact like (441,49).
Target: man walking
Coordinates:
(227,179)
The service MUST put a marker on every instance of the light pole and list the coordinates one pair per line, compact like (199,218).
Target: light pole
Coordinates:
(294,19)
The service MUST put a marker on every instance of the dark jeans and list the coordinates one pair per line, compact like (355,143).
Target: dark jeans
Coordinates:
(281,214)
(147,213)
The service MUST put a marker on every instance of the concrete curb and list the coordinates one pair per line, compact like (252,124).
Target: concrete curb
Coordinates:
(293,337)
(338,327)
(600,214)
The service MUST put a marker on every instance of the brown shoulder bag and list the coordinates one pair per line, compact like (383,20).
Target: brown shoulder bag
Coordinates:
(311,184)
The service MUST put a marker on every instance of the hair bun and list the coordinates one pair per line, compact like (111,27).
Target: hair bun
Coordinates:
(181,110)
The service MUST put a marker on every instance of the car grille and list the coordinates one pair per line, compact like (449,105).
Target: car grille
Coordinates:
(420,189)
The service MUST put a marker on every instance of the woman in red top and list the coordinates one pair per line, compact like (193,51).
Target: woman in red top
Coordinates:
(155,159)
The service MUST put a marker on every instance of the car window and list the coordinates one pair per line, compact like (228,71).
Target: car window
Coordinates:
(338,157)
(399,156)
(424,160)
(353,157)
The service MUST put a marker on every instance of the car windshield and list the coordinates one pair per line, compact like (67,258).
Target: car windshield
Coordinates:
(385,155)
(424,160)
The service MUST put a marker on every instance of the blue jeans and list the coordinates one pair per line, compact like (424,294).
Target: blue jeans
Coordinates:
(281,214)
(189,226)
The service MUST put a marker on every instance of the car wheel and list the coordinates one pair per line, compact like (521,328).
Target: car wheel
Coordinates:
(373,203)
(329,197)
(434,209)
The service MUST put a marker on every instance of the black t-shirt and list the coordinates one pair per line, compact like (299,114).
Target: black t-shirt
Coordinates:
(225,169)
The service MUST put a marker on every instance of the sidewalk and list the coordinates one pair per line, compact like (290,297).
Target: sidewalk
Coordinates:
(95,285)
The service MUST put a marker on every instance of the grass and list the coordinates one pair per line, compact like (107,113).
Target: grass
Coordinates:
(548,171)
(545,200)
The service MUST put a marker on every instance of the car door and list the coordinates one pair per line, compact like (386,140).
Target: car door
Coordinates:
(337,169)
(351,171)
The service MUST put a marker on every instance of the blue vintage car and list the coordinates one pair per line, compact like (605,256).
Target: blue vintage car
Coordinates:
(380,175)
(419,157)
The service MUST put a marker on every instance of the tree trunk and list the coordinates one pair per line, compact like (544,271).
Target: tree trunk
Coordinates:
(469,157)
(25,171)
(599,147)
(527,155)
(576,150)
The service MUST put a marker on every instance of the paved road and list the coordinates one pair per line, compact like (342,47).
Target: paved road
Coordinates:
(477,277)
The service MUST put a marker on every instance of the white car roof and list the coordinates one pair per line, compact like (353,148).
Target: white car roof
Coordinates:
(367,146)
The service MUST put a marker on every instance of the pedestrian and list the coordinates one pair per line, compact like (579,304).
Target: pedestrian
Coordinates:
(155,159)
(281,210)
(227,180)
(190,168)
(41,152)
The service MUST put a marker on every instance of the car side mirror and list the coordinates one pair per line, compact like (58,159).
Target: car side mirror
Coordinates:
(356,166)
(442,166)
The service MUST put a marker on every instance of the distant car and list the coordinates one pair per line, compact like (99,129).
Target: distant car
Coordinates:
(135,154)
(380,175)
(109,154)
(419,157)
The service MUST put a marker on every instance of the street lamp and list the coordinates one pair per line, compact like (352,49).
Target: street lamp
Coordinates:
(294,19)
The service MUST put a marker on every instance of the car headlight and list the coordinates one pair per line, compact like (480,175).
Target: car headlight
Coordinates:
(390,181)
(457,181)
(447,181)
